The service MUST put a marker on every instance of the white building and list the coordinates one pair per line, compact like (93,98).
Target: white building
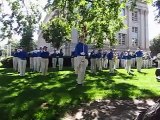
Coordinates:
(136,35)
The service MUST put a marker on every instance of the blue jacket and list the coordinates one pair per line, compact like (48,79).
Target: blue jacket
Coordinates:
(54,55)
(129,57)
(110,55)
(15,54)
(44,54)
(139,54)
(93,55)
(60,55)
(99,55)
(81,47)
(22,55)
(73,54)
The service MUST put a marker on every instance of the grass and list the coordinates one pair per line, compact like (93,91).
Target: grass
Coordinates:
(22,97)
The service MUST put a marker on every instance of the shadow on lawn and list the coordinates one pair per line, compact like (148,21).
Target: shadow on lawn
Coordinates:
(50,97)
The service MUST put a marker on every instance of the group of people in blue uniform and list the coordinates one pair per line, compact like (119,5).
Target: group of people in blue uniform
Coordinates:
(39,60)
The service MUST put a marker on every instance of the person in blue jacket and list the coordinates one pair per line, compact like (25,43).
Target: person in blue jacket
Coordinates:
(99,59)
(15,59)
(128,61)
(54,59)
(60,59)
(139,61)
(81,51)
(111,62)
(44,60)
(22,61)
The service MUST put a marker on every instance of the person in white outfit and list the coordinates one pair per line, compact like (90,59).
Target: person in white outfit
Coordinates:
(15,60)
(44,60)
(22,61)
(60,59)
(105,60)
(81,50)
(128,61)
(54,59)
(139,61)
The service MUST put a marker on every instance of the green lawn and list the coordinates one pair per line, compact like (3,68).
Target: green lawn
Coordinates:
(21,97)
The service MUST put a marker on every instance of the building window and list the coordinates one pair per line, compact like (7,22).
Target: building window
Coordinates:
(135,29)
(134,42)
(121,38)
(134,16)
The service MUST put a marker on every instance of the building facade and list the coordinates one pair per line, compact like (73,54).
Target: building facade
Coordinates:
(135,35)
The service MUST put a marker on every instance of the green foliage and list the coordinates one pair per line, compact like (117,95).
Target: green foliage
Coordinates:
(155,45)
(57,31)
(24,98)
(157,5)
(21,20)
(96,20)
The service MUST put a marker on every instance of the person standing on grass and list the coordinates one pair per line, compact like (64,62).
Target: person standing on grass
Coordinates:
(38,60)
(22,61)
(15,60)
(111,64)
(54,59)
(105,60)
(44,60)
(93,61)
(60,59)
(99,59)
(139,55)
(81,50)
(34,55)
(128,61)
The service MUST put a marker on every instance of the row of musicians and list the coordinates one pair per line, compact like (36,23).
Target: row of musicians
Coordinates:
(38,60)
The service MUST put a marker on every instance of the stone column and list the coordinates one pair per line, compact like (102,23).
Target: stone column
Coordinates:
(142,40)
(146,31)
(129,32)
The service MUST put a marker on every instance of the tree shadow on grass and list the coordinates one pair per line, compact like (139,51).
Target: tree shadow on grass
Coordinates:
(50,97)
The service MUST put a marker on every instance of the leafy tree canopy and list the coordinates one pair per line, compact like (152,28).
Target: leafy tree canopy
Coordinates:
(56,31)
(96,20)
(155,45)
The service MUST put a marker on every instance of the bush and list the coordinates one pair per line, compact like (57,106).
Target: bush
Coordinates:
(7,62)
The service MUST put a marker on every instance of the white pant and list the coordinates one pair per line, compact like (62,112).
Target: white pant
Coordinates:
(133,62)
(22,66)
(44,65)
(128,65)
(38,64)
(60,62)
(31,59)
(158,63)
(99,63)
(54,62)
(93,65)
(139,63)
(145,65)
(116,64)
(150,62)
(15,63)
(82,64)
(105,63)
(34,63)
(111,66)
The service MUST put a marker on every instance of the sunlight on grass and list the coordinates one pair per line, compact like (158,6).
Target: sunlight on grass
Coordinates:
(22,97)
